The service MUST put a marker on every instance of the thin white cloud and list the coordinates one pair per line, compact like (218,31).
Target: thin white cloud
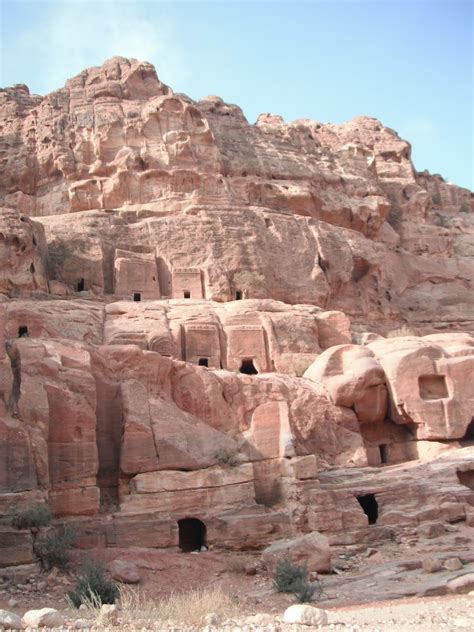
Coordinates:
(76,34)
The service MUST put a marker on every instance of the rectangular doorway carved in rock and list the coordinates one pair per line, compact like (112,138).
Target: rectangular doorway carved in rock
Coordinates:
(433,386)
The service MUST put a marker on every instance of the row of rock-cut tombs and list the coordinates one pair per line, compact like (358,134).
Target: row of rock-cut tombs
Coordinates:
(246,347)
(139,277)
(239,347)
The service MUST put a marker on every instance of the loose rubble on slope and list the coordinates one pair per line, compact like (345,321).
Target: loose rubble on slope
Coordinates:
(220,337)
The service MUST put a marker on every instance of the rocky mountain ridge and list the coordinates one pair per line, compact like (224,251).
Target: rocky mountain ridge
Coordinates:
(193,317)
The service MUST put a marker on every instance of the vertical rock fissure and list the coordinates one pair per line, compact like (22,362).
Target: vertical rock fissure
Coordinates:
(109,430)
(15,363)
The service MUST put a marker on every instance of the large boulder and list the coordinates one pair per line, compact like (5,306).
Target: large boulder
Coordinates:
(353,377)
(462,583)
(43,618)
(429,381)
(125,571)
(312,549)
(305,615)
(10,621)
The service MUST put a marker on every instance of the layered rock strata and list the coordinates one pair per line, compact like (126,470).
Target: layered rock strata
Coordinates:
(192,322)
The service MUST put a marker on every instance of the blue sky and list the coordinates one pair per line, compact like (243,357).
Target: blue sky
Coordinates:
(407,62)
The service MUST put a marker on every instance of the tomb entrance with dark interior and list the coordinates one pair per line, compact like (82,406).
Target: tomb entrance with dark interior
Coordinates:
(248,367)
(192,534)
(369,504)
(469,435)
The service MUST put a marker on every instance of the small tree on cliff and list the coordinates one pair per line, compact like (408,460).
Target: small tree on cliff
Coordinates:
(250,283)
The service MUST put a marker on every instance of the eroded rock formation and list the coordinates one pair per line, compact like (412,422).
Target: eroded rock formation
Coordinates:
(192,322)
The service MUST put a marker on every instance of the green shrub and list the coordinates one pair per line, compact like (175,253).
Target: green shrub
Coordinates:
(464,208)
(436,199)
(59,253)
(250,282)
(94,587)
(287,574)
(39,516)
(53,549)
(290,578)
(304,591)
(223,457)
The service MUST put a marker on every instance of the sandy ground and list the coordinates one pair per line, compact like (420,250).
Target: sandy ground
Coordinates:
(378,587)
(425,614)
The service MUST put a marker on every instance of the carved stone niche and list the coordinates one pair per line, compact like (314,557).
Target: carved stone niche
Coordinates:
(187,283)
(201,344)
(163,344)
(247,349)
(136,276)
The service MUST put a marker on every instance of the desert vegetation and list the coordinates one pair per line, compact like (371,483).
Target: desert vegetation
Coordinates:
(54,548)
(291,578)
(93,588)
(32,518)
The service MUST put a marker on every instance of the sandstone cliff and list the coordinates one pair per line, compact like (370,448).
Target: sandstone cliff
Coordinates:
(193,310)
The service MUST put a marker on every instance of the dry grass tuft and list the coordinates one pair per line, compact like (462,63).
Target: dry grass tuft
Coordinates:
(236,562)
(404,330)
(188,608)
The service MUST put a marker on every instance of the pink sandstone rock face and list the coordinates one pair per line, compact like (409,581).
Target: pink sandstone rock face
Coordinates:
(193,312)
(121,161)
(430,383)
(353,378)
(23,255)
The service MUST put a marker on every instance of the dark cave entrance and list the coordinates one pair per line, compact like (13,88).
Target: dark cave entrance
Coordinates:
(238,295)
(203,362)
(383,453)
(81,285)
(137,296)
(466,478)
(469,436)
(248,367)
(186,294)
(369,504)
(22,331)
(192,534)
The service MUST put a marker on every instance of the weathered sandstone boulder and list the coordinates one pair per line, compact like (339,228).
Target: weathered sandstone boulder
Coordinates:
(125,571)
(354,378)
(312,548)
(462,584)
(429,383)
(304,614)
(43,618)
(10,621)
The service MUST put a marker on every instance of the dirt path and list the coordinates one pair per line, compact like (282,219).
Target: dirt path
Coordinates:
(403,615)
